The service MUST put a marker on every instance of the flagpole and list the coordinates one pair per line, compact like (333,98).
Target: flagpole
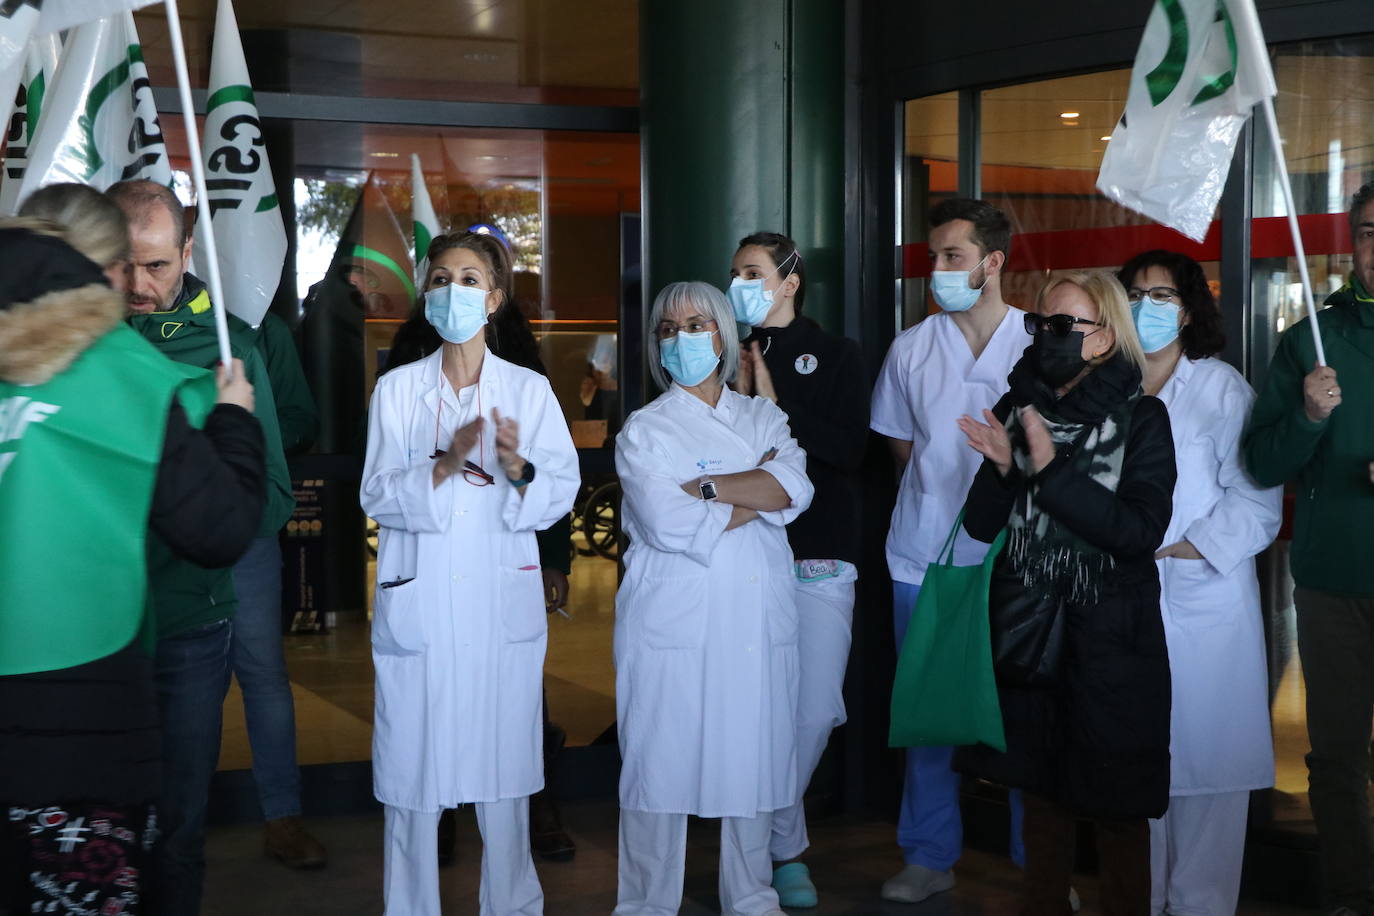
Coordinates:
(1276,142)
(188,113)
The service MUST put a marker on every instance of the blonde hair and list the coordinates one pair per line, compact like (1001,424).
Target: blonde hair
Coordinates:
(89,221)
(1113,310)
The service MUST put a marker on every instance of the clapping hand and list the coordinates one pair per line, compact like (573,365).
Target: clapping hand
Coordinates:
(763,379)
(451,460)
(507,442)
(1038,440)
(988,439)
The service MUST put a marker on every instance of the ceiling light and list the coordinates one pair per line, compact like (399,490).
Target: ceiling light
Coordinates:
(1108,137)
(1066,115)
(387,155)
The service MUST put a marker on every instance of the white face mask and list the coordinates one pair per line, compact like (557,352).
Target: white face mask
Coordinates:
(951,290)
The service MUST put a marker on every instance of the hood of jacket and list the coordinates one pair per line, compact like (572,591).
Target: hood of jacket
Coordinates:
(41,338)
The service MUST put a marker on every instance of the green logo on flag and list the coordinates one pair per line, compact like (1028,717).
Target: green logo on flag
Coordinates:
(1164,79)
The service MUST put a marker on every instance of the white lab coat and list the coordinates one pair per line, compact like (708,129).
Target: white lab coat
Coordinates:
(459,649)
(1220,720)
(706,619)
(930,379)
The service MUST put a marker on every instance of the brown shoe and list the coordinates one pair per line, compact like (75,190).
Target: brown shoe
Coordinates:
(286,840)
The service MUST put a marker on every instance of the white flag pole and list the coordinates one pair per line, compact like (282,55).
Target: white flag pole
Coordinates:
(1276,142)
(188,113)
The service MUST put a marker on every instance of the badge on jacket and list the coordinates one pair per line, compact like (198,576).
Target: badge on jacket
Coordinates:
(806,364)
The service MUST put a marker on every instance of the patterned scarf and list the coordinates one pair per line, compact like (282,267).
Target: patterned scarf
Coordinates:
(1093,421)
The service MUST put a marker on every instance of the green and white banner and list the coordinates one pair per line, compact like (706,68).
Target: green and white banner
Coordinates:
(99,121)
(243,204)
(40,64)
(1202,65)
(422,213)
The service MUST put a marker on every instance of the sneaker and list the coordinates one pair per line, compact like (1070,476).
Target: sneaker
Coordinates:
(1075,903)
(793,884)
(915,883)
(286,840)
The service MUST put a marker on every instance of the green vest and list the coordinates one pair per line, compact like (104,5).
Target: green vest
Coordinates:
(78,462)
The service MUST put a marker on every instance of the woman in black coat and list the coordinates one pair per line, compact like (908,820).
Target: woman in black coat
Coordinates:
(1080,471)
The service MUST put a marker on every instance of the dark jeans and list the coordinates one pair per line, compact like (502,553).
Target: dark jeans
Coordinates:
(1123,856)
(192,677)
(257,660)
(1336,644)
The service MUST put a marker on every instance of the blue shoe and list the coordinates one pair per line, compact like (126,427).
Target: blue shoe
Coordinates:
(793,884)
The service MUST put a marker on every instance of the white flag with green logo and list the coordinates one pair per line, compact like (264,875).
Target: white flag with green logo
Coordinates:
(422,213)
(40,64)
(1202,65)
(243,201)
(99,121)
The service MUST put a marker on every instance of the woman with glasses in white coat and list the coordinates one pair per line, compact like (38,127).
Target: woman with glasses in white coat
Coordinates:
(706,617)
(467,455)
(1220,742)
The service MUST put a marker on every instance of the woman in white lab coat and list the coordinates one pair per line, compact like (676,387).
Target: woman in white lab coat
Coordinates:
(1220,743)
(706,618)
(467,456)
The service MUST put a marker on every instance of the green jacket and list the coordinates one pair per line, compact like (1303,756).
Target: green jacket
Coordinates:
(184,595)
(296,414)
(1332,550)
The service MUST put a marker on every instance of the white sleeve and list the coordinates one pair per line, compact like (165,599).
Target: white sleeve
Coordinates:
(788,466)
(665,517)
(891,413)
(546,444)
(393,493)
(1246,519)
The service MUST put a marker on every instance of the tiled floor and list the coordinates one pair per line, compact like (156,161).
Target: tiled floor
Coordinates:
(849,862)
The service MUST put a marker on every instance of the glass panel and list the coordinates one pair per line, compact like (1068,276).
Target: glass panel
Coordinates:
(542,51)
(1042,146)
(930,174)
(1327,135)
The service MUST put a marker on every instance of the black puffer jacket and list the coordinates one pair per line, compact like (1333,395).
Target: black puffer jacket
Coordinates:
(1098,742)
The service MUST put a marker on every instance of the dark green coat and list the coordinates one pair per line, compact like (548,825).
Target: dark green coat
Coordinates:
(184,595)
(1332,550)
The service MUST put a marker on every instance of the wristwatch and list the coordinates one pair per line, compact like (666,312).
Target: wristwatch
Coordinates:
(708,488)
(526,476)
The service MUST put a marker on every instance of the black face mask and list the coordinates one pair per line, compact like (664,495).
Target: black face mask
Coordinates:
(1058,360)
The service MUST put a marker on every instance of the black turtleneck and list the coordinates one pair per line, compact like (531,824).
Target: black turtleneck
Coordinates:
(823,389)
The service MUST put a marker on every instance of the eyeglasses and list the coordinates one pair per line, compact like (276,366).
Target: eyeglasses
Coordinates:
(1058,325)
(1159,295)
(666,330)
(472,473)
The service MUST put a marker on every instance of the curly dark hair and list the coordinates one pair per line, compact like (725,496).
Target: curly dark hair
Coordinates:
(1202,336)
(508,333)
(780,248)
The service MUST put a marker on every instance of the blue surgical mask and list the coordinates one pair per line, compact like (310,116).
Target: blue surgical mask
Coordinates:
(1156,324)
(458,313)
(689,358)
(750,300)
(951,290)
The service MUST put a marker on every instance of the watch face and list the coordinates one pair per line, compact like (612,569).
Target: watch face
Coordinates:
(708,490)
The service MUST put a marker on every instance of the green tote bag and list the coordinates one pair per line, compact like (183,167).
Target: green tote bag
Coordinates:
(944,692)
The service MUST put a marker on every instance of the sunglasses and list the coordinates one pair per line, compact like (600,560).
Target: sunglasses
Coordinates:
(1058,325)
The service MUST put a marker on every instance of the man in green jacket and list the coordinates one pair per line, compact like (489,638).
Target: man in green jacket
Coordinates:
(1300,431)
(193,607)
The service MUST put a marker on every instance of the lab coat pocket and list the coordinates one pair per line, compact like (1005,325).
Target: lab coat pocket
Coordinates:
(783,619)
(398,628)
(1192,594)
(522,604)
(672,611)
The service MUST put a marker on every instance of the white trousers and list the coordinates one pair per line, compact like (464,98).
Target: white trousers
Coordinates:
(653,858)
(825,615)
(1196,852)
(410,863)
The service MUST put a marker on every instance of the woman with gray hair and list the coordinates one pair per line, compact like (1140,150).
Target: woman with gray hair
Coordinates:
(706,619)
